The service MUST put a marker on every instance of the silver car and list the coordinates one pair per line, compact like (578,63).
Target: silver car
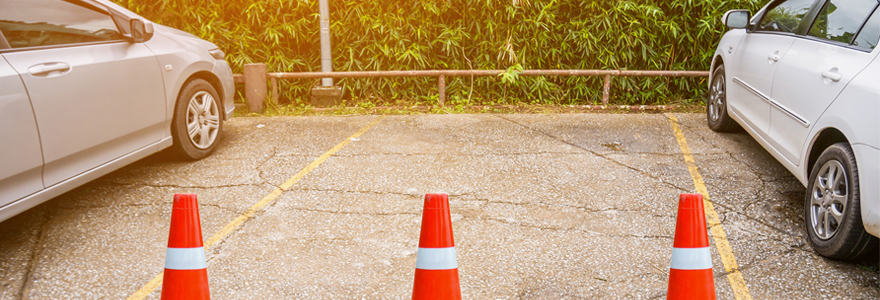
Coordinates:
(87,87)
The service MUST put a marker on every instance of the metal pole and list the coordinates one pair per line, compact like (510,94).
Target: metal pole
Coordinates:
(326,59)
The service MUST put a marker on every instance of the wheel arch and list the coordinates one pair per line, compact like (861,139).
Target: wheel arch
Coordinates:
(828,136)
(717,60)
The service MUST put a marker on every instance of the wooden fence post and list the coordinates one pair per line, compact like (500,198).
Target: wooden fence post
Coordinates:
(606,90)
(273,83)
(441,85)
(255,86)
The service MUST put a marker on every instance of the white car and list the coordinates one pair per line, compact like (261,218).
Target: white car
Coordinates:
(801,77)
(87,87)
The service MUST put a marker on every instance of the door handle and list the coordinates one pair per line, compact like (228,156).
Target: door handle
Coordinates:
(774,57)
(832,74)
(49,69)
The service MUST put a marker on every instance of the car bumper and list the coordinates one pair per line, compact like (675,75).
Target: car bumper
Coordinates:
(224,73)
(868,162)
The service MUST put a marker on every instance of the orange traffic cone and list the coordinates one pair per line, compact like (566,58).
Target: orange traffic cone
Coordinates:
(436,265)
(186,272)
(690,274)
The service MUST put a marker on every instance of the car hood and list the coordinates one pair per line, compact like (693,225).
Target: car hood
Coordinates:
(178,34)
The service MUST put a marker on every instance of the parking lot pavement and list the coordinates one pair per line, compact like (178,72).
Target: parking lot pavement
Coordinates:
(543,206)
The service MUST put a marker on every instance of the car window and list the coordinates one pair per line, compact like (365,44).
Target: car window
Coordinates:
(840,20)
(870,34)
(785,16)
(34,23)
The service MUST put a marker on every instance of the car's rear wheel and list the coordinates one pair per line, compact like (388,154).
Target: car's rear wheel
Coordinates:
(197,120)
(832,209)
(716,105)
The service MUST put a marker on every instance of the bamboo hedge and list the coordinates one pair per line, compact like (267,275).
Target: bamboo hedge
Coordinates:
(466,34)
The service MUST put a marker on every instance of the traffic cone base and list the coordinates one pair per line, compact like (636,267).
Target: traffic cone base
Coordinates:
(690,270)
(436,284)
(186,271)
(436,265)
(197,290)
(691,284)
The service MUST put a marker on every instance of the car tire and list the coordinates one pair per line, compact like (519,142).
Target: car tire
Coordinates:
(832,210)
(198,120)
(716,105)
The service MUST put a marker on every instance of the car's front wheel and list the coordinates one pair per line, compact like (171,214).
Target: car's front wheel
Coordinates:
(832,209)
(716,105)
(197,120)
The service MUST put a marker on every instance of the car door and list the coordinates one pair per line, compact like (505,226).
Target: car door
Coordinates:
(95,96)
(754,64)
(21,160)
(817,67)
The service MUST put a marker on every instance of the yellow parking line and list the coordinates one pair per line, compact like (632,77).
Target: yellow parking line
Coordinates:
(226,230)
(737,282)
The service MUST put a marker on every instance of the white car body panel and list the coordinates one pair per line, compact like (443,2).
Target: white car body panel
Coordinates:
(133,88)
(20,166)
(801,92)
(178,58)
(114,115)
(751,77)
(223,70)
(869,175)
(861,95)
(23,204)
(728,47)
(177,42)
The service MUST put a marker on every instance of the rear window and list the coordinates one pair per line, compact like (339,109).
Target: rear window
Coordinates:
(870,34)
(35,23)
(840,20)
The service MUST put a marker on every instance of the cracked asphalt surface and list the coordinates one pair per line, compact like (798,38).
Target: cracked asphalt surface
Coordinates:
(550,206)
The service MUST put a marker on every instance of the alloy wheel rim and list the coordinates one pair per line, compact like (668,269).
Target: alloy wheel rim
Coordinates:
(716,98)
(828,199)
(202,120)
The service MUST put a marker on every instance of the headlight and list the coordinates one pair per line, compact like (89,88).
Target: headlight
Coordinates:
(217,54)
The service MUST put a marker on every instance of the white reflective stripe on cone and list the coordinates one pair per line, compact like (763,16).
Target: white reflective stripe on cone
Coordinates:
(185,258)
(691,259)
(436,259)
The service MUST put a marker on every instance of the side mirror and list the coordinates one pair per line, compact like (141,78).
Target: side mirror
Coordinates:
(141,31)
(737,18)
